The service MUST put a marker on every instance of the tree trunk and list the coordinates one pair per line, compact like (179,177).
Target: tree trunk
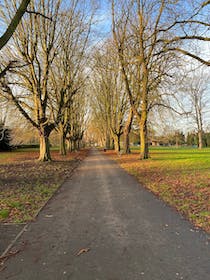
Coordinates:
(62,144)
(200,139)
(74,145)
(126,143)
(117,143)
(126,133)
(108,141)
(70,145)
(143,138)
(44,151)
(112,144)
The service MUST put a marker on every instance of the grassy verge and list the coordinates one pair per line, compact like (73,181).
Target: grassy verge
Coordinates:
(26,185)
(181,177)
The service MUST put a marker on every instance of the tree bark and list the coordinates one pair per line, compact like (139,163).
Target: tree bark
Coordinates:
(44,152)
(62,144)
(126,133)
(200,139)
(78,145)
(144,154)
(112,144)
(117,143)
(69,145)
(108,140)
(74,145)
(144,115)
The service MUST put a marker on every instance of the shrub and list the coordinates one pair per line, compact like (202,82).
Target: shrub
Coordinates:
(5,138)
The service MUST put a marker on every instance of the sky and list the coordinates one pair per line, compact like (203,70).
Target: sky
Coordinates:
(103,29)
(102,17)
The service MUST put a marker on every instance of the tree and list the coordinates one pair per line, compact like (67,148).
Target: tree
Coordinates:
(192,139)
(110,100)
(5,137)
(68,74)
(77,120)
(142,72)
(126,132)
(34,48)
(12,25)
(157,32)
(49,56)
(207,139)
(197,92)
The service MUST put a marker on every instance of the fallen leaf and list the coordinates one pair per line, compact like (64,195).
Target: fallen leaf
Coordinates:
(82,251)
(10,254)
(2,268)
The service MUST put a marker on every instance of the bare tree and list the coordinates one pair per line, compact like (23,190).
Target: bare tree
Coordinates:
(157,32)
(77,120)
(142,72)
(110,98)
(14,20)
(68,74)
(34,49)
(196,92)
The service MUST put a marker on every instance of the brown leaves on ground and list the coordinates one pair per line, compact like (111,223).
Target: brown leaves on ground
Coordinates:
(179,177)
(8,255)
(26,184)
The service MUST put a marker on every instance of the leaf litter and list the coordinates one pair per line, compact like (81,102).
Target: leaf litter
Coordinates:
(26,185)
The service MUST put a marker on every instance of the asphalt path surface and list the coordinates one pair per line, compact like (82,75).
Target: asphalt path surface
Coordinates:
(103,225)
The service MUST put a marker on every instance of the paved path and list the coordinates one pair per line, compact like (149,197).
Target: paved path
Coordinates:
(130,233)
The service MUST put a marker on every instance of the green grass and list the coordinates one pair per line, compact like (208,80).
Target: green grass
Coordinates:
(4,213)
(182,156)
(179,176)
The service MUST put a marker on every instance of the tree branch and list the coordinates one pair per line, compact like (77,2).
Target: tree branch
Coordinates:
(14,23)
(205,3)
(180,38)
(203,61)
(169,107)
(184,22)
(7,68)
(39,14)
(17,104)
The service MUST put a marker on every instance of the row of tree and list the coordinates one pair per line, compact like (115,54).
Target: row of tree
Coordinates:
(178,138)
(135,71)
(44,68)
(47,73)
(192,139)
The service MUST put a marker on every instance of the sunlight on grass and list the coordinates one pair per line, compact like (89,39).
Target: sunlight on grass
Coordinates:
(180,176)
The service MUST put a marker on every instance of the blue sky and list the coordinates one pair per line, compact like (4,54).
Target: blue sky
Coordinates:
(103,17)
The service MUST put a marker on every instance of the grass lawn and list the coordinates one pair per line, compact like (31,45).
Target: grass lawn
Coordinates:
(26,184)
(179,176)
